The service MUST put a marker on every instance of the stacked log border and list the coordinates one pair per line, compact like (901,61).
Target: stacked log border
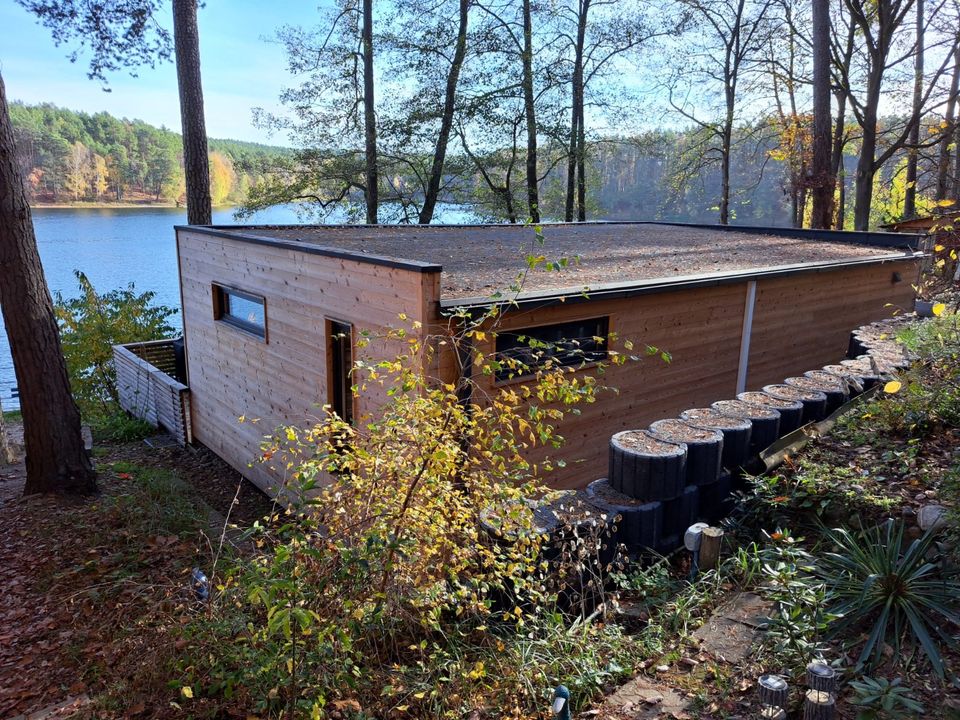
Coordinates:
(736,433)
(703,455)
(814,402)
(836,394)
(791,411)
(638,526)
(764,421)
(769,414)
(647,475)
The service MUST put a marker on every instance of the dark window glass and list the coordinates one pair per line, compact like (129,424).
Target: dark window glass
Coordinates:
(241,309)
(341,362)
(568,344)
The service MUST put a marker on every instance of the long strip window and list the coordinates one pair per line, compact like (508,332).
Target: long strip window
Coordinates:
(241,309)
(522,352)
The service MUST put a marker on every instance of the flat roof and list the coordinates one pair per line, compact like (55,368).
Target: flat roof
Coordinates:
(479,260)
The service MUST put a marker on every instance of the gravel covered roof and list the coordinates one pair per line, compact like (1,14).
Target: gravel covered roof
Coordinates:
(478,260)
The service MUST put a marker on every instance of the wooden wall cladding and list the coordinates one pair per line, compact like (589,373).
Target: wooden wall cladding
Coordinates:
(284,380)
(147,390)
(699,327)
(802,322)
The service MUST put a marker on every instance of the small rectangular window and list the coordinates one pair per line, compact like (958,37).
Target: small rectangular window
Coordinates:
(241,309)
(568,344)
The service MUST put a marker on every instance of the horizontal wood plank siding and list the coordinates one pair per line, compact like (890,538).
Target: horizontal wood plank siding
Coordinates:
(283,380)
(803,322)
(700,328)
(149,392)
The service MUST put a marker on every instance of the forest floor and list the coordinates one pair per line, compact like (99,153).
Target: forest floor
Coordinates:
(96,593)
(92,589)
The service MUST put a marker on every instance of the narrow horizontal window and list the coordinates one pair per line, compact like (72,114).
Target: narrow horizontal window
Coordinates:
(524,351)
(241,309)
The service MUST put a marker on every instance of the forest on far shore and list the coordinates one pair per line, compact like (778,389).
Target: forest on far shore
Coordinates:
(70,157)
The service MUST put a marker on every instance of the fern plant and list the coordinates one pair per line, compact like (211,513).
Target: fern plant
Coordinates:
(879,582)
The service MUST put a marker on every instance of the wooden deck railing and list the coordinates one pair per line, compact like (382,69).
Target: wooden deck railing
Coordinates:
(148,389)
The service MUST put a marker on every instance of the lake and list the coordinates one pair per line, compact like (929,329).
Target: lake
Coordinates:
(117,246)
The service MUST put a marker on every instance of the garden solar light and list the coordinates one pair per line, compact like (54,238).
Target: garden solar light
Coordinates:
(561,703)
(774,692)
(200,585)
(819,702)
(821,677)
(691,541)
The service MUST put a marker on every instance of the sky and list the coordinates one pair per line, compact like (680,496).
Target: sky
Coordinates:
(241,69)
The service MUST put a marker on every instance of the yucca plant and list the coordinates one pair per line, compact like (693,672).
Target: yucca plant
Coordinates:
(877,582)
(880,699)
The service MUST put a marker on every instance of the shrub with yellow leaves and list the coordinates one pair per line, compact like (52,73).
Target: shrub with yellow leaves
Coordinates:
(383,578)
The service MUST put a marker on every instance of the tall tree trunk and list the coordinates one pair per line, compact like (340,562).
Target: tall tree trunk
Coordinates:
(571,168)
(863,186)
(576,110)
(956,161)
(836,159)
(910,194)
(56,460)
(446,121)
(725,181)
(949,131)
(508,205)
(841,213)
(533,193)
(821,179)
(372,192)
(581,162)
(726,139)
(196,165)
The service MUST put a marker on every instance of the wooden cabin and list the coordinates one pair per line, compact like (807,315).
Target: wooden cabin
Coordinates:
(271,315)
(944,223)
(941,230)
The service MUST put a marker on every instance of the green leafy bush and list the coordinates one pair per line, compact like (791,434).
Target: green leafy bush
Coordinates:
(879,581)
(798,622)
(118,426)
(408,573)
(90,325)
(929,394)
(880,699)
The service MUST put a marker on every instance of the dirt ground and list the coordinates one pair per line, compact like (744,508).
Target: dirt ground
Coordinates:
(87,592)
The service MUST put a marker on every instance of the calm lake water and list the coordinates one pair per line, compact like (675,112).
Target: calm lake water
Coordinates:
(115,247)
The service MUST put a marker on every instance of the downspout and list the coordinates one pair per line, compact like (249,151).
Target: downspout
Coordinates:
(745,335)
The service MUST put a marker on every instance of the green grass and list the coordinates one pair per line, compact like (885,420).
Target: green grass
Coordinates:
(158,503)
(112,427)
(119,427)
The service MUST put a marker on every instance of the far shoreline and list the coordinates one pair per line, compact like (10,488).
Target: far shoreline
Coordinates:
(117,206)
(104,205)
